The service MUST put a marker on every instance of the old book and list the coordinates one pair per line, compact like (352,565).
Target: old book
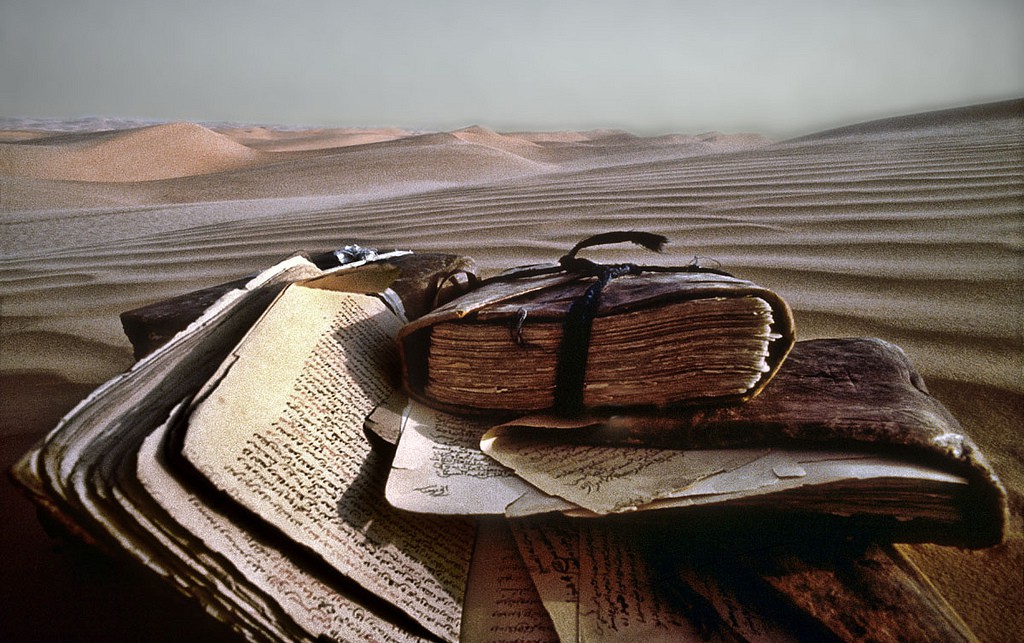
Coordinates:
(657,339)
(846,428)
(581,335)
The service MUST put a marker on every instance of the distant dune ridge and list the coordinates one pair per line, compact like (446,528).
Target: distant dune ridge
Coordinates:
(122,167)
(909,229)
(143,154)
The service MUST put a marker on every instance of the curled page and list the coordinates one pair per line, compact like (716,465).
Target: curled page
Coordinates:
(606,480)
(280,431)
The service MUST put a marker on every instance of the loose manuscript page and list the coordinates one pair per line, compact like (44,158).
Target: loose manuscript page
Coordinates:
(280,431)
(613,479)
(502,605)
(605,479)
(438,468)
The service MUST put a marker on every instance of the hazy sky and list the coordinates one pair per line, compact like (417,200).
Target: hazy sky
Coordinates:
(777,67)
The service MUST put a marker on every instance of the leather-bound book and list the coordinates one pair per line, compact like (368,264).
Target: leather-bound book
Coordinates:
(580,335)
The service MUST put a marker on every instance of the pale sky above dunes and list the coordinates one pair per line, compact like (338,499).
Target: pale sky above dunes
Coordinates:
(779,68)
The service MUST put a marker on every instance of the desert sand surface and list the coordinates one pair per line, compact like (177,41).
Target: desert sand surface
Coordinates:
(908,229)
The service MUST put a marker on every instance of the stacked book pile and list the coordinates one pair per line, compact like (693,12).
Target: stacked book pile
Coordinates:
(384,447)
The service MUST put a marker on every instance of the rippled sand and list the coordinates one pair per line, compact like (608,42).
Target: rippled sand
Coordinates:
(909,229)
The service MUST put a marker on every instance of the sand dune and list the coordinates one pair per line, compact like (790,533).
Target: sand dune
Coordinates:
(478,135)
(145,154)
(41,177)
(267,139)
(908,229)
(963,119)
